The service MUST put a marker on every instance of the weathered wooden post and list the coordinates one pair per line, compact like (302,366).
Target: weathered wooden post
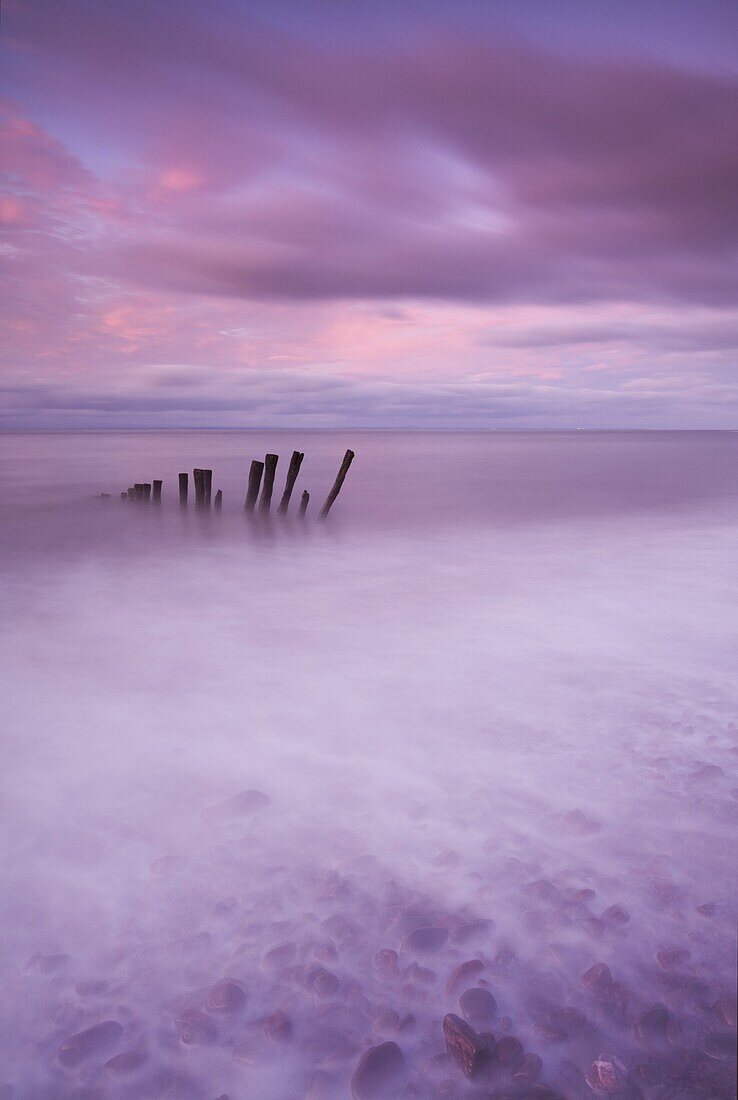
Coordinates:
(270,469)
(147,492)
(156,494)
(197,477)
(183,480)
(207,477)
(218,500)
(304,500)
(252,493)
(293,471)
(348,458)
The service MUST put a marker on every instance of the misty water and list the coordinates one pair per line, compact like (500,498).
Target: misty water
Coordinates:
(267,785)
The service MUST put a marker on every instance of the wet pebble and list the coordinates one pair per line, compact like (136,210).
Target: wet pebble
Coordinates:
(225,997)
(126,1062)
(93,1040)
(378,1072)
(277,1028)
(509,1051)
(607,1075)
(281,955)
(598,978)
(195,1028)
(463,973)
(465,1046)
(425,941)
(478,1007)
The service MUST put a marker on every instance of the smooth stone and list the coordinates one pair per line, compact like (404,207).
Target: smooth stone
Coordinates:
(277,1028)
(529,1070)
(425,940)
(196,1029)
(463,973)
(509,1051)
(127,1062)
(93,1040)
(379,1070)
(464,1045)
(225,997)
(478,1006)
(598,978)
(607,1075)
(281,955)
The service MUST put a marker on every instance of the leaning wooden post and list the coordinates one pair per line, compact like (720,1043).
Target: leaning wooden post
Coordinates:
(304,500)
(207,478)
(183,480)
(252,493)
(218,500)
(295,461)
(199,488)
(270,469)
(348,458)
(156,493)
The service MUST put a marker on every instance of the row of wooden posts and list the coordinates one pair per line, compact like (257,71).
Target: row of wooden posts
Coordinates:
(260,487)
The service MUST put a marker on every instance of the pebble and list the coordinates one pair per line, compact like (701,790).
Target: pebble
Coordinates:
(463,973)
(127,1062)
(670,957)
(281,955)
(509,1051)
(465,1046)
(225,997)
(94,1040)
(379,1071)
(719,1045)
(529,1070)
(598,978)
(652,1027)
(277,1028)
(425,940)
(196,1029)
(478,1006)
(607,1074)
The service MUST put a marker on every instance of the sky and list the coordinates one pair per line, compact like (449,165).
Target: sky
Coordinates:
(332,213)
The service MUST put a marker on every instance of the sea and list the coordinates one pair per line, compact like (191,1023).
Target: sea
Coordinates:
(436,797)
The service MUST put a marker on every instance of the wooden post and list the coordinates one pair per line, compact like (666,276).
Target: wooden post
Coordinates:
(199,488)
(207,477)
(156,494)
(252,493)
(183,480)
(218,500)
(348,458)
(293,471)
(147,492)
(270,469)
(304,500)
